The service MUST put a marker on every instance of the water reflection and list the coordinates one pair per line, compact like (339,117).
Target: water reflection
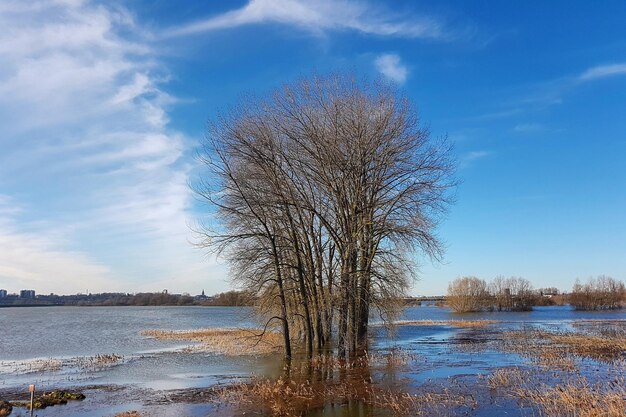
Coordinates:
(426,354)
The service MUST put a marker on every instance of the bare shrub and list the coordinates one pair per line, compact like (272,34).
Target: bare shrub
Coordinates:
(467,294)
(602,293)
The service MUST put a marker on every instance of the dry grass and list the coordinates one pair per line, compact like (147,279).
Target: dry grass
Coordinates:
(596,347)
(580,399)
(128,414)
(99,362)
(576,397)
(473,324)
(560,349)
(38,365)
(232,342)
(507,377)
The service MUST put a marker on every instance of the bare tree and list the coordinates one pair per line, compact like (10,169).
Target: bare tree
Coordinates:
(325,192)
(467,294)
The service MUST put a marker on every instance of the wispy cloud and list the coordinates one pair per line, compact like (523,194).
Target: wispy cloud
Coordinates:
(85,123)
(320,16)
(471,157)
(474,155)
(391,66)
(528,128)
(603,71)
(548,93)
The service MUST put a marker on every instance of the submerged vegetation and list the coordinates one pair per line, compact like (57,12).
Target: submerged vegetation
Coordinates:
(575,396)
(463,324)
(234,342)
(316,383)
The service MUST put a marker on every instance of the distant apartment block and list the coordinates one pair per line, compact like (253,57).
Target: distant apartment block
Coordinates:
(27,294)
(3,293)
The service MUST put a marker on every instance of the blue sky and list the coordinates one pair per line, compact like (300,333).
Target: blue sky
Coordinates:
(103,103)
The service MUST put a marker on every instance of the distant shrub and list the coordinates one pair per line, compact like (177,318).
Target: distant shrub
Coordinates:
(602,293)
(467,294)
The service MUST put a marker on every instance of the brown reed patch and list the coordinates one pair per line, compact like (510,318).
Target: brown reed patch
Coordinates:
(575,397)
(232,342)
(507,377)
(129,414)
(560,349)
(536,346)
(99,362)
(597,347)
(580,399)
(465,324)
(38,365)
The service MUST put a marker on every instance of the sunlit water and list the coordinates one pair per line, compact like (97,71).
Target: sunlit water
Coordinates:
(67,333)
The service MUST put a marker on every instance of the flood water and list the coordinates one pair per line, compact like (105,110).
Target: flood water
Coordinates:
(61,334)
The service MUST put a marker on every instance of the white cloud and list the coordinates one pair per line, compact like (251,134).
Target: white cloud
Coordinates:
(320,16)
(86,145)
(390,66)
(474,155)
(528,128)
(470,157)
(603,71)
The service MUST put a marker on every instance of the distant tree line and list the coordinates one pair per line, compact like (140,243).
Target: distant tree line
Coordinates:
(230,298)
(602,293)
(472,294)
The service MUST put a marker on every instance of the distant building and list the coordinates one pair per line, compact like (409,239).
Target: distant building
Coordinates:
(3,293)
(30,294)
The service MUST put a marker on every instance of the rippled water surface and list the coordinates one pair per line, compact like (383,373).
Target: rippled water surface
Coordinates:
(63,334)
(83,331)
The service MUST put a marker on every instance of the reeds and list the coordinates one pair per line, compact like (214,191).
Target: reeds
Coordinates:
(575,397)
(37,366)
(560,349)
(99,362)
(473,324)
(232,342)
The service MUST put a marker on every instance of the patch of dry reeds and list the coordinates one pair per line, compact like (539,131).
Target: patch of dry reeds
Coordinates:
(469,324)
(560,349)
(129,414)
(576,397)
(507,377)
(579,398)
(596,347)
(98,362)
(38,365)
(232,342)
